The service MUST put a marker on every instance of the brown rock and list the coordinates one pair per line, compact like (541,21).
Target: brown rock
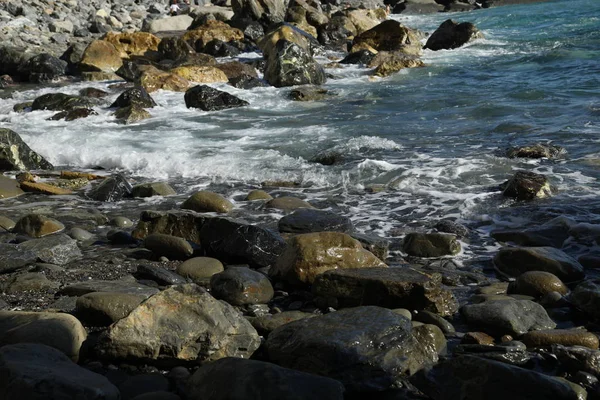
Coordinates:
(285,32)
(9,188)
(205,201)
(213,30)
(101,56)
(565,337)
(91,76)
(153,79)
(389,63)
(77,175)
(363,20)
(133,43)
(391,35)
(287,203)
(43,188)
(258,195)
(194,73)
(36,225)
(236,69)
(537,284)
(477,338)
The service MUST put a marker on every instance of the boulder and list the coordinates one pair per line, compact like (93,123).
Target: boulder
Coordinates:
(200,269)
(290,65)
(513,261)
(450,35)
(363,57)
(181,324)
(170,24)
(152,189)
(209,99)
(9,187)
(59,102)
(160,275)
(234,69)
(102,56)
(507,317)
(537,284)
(307,220)
(153,79)
(391,36)
(267,12)
(267,323)
(174,48)
(132,70)
(258,195)
(74,114)
(63,332)
(246,82)
(417,7)
(211,30)
(172,247)
(430,244)
(586,297)
(57,249)
(526,185)
(205,201)
(564,337)
(200,74)
(133,43)
(363,20)
(578,358)
(340,345)
(33,281)
(12,58)
(310,254)
(126,286)
(16,155)
(114,188)
(39,372)
(218,48)
(309,93)
(105,308)
(136,96)
(185,224)
(131,114)
(398,287)
(538,150)
(43,68)
(240,285)
(37,225)
(214,381)
(290,33)
(287,203)
(388,63)
(476,378)
(543,236)
(377,245)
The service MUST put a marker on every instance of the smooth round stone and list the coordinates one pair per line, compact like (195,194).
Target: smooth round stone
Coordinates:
(143,384)
(404,312)
(121,222)
(306,220)
(287,203)
(29,281)
(80,234)
(537,284)
(258,195)
(172,247)
(104,308)
(565,337)
(153,189)
(205,201)
(428,317)
(494,288)
(239,286)
(6,223)
(36,225)
(200,269)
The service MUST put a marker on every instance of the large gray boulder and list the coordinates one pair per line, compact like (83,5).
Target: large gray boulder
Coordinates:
(291,65)
(16,155)
(513,261)
(366,348)
(239,379)
(182,324)
(38,372)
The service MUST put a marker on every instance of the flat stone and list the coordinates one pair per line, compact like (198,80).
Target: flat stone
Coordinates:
(306,220)
(6,223)
(104,308)
(159,275)
(13,257)
(200,269)
(565,337)
(57,249)
(36,225)
(119,286)
(172,247)
(287,203)
(267,323)
(239,286)
(30,281)
(9,188)
(513,261)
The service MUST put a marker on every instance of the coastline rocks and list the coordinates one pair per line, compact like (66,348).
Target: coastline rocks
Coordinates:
(131,114)
(339,345)
(236,379)
(512,317)
(476,378)
(16,155)
(169,24)
(133,43)
(105,308)
(266,12)
(310,254)
(564,337)
(152,189)
(290,33)
(362,57)
(136,96)
(267,323)
(205,201)
(586,296)
(8,187)
(390,35)
(200,74)
(172,247)
(246,82)
(74,114)
(42,68)
(114,188)
(430,244)
(538,150)
(160,275)
(526,185)
(173,326)
(200,269)
(153,79)
(290,65)
(100,55)
(398,287)
(184,224)
(55,249)
(30,281)
(118,286)
(258,195)
(209,99)
(307,220)
(388,63)
(212,30)
(38,372)
(450,35)
(36,226)
(59,102)
(174,48)
(287,203)
(578,358)
(537,284)
(239,286)
(63,332)
(514,261)
(309,93)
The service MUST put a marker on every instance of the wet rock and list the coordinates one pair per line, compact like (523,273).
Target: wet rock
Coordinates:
(205,201)
(174,48)
(93,93)
(172,247)
(479,338)
(212,30)
(43,188)
(306,220)
(16,155)
(514,317)
(578,358)
(308,93)
(180,324)
(184,224)
(363,57)
(210,99)
(6,223)
(258,195)
(377,245)
(267,323)
(388,63)
(246,82)
(35,372)
(117,286)
(428,317)
(55,249)
(287,203)
(542,236)
(159,275)
(565,337)
(450,35)
(586,296)
(214,381)
(290,65)
(453,227)
(430,244)
(537,284)
(23,107)
(390,35)
(310,254)
(73,114)
(266,13)
(136,96)
(36,225)
(476,378)
(339,345)
(239,286)
(513,261)
(133,43)
(43,68)
(219,48)
(131,115)
(30,281)
(158,395)
(102,56)
(152,189)
(538,150)
(334,34)
(399,287)
(104,308)
(111,189)
(13,258)
(121,222)
(60,331)
(526,185)
(9,188)
(200,269)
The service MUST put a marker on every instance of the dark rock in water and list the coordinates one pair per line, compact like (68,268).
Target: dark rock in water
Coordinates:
(586,296)
(526,185)
(219,48)
(513,261)
(131,114)
(159,275)
(475,378)
(399,287)
(334,35)
(542,236)
(450,35)
(129,71)
(538,150)
(308,93)
(340,345)
(174,48)
(240,285)
(153,189)
(172,247)
(246,82)
(430,244)
(267,323)
(114,188)
(73,114)
(183,224)
(23,107)
(390,62)
(233,69)
(182,324)
(377,245)
(38,372)
(417,7)
(363,57)
(512,317)
(43,68)
(118,286)
(136,96)
(290,65)
(144,386)
(16,155)
(448,226)
(209,99)
(12,58)
(305,220)
(329,157)
(214,381)
(578,358)
(391,35)
(427,317)
(104,308)
(93,93)
(59,102)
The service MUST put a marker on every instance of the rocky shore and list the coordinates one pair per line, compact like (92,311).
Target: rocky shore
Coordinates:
(106,294)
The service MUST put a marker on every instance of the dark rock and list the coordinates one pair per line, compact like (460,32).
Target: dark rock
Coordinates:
(136,96)
(73,114)
(16,155)
(306,220)
(399,287)
(586,296)
(287,203)
(214,381)
(12,58)
(12,258)
(219,48)
(130,70)
(174,48)
(329,157)
(184,224)
(152,189)
(209,99)
(430,244)
(448,226)
(578,358)
(42,68)
(450,35)
(114,188)
(538,150)
(513,261)
(23,107)
(120,237)
(38,372)
(377,245)
(291,65)
(267,323)
(265,12)
(334,35)
(33,281)
(105,308)
(131,114)
(59,102)
(246,82)
(309,93)
(233,69)
(417,7)
(119,286)
(172,247)
(427,317)
(363,57)
(543,236)
(239,286)
(159,275)
(340,345)
(512,317)
(57,249)
(93,93)
(526,185)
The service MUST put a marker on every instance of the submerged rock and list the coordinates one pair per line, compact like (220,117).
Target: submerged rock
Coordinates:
(136,96)
(59,102)
(152,189)
(514,261)
(16,155)
(306,220)
(538,150)
(210,99)
(73,114)
(114,188)
(430,244)
(526,185)
(290,65)
(131,114)
(450,35)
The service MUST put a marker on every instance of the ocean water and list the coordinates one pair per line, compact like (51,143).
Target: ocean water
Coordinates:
(430,139)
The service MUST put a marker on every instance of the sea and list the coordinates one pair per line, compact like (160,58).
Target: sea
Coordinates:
(423,145)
